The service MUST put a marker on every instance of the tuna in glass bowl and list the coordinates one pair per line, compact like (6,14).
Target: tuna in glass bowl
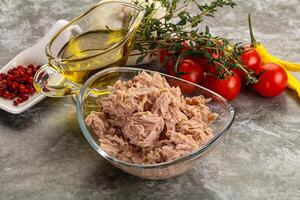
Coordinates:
(96,87)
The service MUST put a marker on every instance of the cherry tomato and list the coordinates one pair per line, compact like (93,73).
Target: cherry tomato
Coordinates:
(250,60)
(188,70)
(272,80)
(191,70)
(168,58)
(229,88)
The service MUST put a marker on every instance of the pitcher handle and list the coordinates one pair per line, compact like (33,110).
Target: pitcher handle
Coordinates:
(50,82)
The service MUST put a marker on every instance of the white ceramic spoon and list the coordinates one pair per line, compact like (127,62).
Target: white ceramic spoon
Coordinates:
(34,55)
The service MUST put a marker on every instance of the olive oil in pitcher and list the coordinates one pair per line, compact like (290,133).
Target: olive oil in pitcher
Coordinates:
(99,38)
(86,53)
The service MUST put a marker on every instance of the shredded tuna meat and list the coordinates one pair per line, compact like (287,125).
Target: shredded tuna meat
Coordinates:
(145,120)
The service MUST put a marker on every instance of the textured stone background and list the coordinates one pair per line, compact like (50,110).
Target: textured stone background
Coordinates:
(43,154)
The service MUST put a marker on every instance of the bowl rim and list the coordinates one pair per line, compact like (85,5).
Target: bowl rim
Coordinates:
(188,156)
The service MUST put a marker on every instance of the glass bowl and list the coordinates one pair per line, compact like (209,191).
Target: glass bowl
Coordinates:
(96,87)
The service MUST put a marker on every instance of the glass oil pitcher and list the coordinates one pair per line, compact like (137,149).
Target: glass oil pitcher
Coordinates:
(99,38)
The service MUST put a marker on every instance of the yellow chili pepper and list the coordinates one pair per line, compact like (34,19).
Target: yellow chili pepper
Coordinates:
(269,58)
(293,83)
(266,57)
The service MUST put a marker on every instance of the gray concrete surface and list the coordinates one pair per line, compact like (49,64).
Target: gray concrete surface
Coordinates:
(43,154)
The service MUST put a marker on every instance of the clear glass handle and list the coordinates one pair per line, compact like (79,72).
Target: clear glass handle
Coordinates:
(50,82)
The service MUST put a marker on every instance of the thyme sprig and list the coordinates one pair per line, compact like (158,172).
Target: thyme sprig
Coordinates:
(177,25)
